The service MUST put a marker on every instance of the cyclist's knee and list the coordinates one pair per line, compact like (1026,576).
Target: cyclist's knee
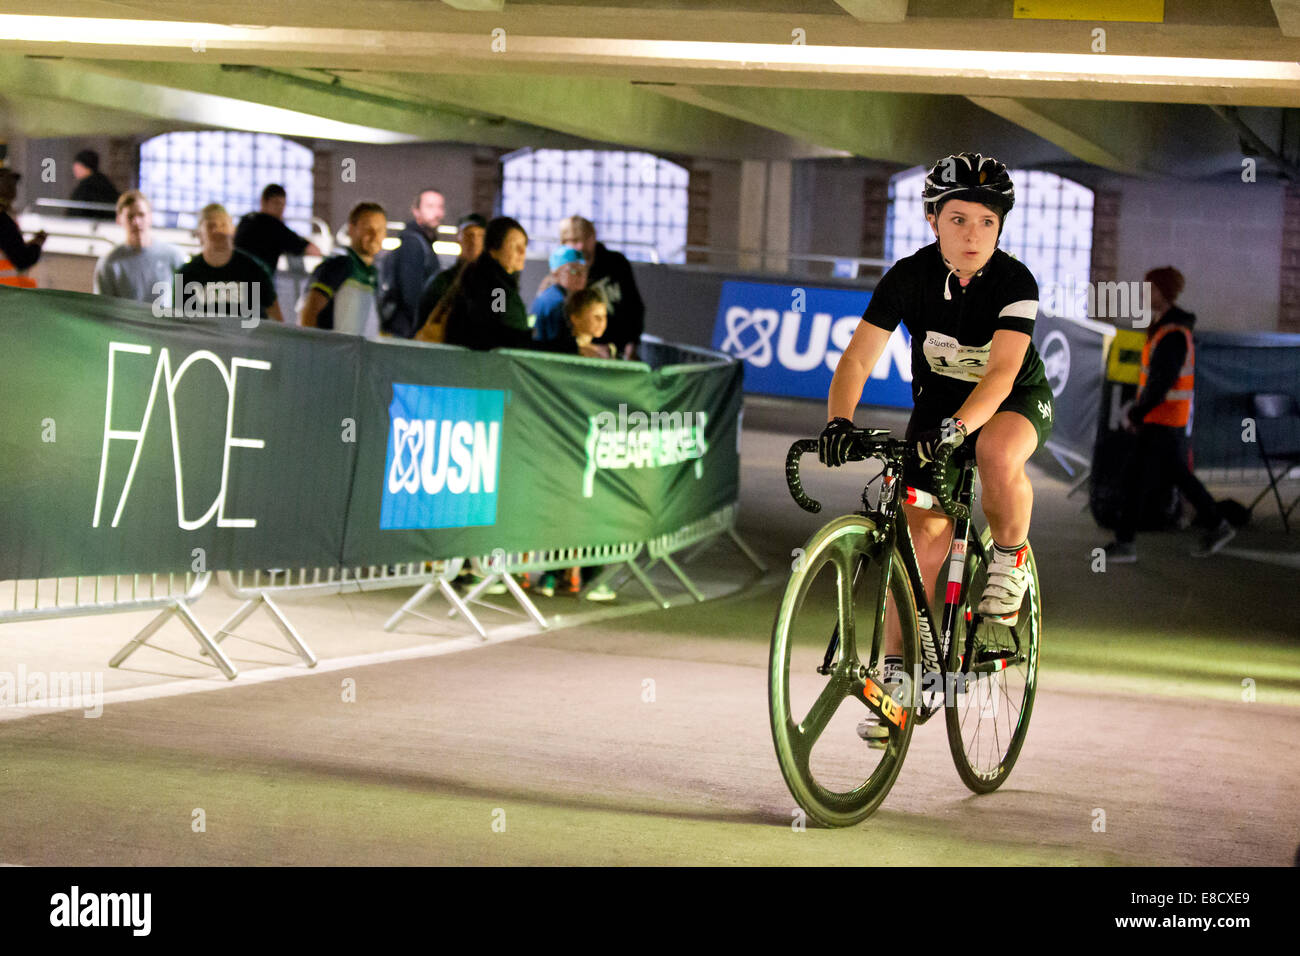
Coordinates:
(1006,444)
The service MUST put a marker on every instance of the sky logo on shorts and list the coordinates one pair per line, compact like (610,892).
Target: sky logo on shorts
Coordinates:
(444,456)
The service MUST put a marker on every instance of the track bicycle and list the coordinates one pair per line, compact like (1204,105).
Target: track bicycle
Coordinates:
(851,574)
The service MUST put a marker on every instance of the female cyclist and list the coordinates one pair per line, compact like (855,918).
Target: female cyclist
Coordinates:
(976,378)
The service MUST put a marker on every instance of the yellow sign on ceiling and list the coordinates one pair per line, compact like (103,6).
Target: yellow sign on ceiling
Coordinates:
(1132,11)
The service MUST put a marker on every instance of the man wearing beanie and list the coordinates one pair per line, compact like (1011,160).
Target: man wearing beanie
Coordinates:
(1159,417)
(92,186)
(469,233)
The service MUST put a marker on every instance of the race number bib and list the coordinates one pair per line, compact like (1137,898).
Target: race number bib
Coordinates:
(949,357)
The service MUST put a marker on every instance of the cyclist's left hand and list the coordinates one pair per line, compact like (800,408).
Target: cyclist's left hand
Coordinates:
(951,432)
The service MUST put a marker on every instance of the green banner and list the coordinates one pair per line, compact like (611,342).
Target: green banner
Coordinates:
(137,444)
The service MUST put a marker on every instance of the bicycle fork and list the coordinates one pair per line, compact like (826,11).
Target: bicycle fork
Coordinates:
(834,645)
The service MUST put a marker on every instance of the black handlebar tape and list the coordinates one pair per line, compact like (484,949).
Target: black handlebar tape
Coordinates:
(804,446)
(942,494)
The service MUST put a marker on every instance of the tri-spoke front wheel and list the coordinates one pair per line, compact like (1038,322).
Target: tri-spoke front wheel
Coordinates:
(993,676)
(834,600)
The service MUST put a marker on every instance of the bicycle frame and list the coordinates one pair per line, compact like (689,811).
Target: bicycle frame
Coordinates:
(934,642)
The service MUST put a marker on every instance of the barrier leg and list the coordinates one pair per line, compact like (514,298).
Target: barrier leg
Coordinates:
(646,583)
(290,634)
(412,602)
(179,609)
(239,617)
(524,601)
(746,550)
(1083,480)
(426,590)
(478,589)
(246,610)
(142,636)
(205,642)
(454,600)
(681,576)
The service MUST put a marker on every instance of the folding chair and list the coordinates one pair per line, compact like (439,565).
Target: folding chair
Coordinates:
(1277,407)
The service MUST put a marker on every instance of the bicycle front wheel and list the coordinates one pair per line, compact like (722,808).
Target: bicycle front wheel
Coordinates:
(832,601)
(992,679)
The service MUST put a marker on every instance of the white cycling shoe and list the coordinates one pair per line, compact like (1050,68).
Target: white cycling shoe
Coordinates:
(871,728)
(1005,589)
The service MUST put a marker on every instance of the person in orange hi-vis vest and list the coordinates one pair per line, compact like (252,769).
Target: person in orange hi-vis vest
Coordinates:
(16,256)
(1159,417)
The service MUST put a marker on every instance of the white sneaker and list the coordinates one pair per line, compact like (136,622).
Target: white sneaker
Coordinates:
(1005,589)
(602,593)
(871,728)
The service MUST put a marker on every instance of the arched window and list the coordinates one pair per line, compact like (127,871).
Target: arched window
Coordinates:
(183,172)
(1049,230)
(636,200)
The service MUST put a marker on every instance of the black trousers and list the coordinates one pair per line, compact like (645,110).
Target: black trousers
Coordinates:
(1159,458)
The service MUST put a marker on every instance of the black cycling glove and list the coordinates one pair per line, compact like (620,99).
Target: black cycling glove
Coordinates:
(951,432)
(835,441)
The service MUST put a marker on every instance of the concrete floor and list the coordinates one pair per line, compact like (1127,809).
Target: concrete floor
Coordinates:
(547,748)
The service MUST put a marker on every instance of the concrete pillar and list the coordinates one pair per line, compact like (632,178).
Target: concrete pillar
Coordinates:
(780,180)
(765,189)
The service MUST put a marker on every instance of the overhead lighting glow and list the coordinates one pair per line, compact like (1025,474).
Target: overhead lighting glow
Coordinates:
(230,113)
(990,64)
(782,57)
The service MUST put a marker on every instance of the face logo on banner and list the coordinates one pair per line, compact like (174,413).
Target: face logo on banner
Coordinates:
(444,456)
(1056,360)
(167,381)
(640,440)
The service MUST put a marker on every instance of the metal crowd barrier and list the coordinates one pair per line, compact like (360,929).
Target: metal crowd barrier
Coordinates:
(619,559)
(503,566)
(170,594)
(249,586)
(697,536)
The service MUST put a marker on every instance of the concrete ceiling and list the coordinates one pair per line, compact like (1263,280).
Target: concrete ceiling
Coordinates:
(887,79)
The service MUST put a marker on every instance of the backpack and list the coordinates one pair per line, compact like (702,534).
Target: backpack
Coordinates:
(1110,492)
(434,326)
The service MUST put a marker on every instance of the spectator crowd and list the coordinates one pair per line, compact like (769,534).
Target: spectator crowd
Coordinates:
(587,305)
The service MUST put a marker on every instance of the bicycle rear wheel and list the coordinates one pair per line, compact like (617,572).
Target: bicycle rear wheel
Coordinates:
(993,676)
(832,773)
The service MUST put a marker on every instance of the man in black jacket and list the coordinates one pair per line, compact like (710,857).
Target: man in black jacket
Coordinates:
(92,186)
(611,274)
(407,269)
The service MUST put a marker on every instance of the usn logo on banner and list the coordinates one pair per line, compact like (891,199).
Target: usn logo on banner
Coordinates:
(444,456)
(791,338)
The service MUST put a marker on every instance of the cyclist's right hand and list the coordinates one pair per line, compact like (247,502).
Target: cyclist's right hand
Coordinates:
(951,433)
(835,441)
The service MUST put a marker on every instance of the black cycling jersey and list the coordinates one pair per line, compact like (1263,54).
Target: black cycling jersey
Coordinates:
(952,325)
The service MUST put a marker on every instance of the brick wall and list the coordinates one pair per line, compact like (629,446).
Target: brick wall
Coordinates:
(1288,314)
(1105,236)
(699,197)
